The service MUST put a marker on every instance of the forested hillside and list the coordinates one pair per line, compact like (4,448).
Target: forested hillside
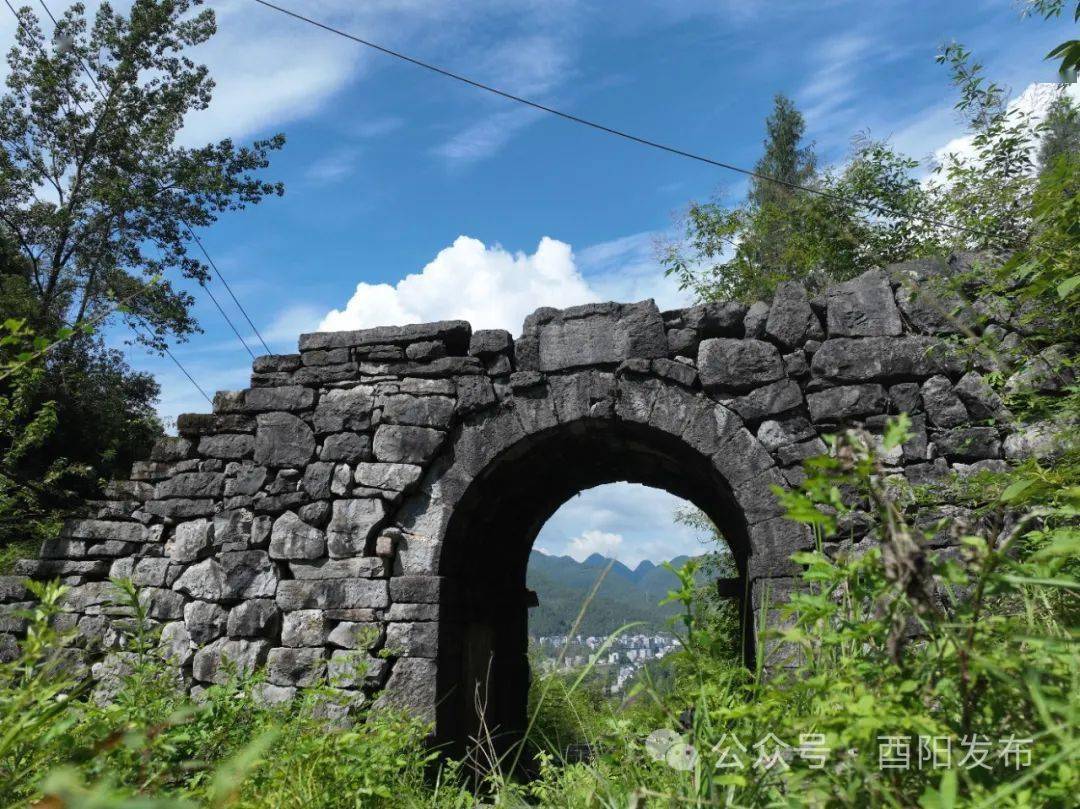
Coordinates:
(625,595)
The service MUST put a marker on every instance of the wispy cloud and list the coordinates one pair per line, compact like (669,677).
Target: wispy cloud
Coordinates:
(833,84)
(378,127)
(531,66)
(485,137)
(333,167)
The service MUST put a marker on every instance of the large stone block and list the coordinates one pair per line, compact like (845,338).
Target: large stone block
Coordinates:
(332,594)
(58,568)
(182,508)
(356,635)
(726,365)
(772,543)
(292,538)
(791,321)
(162,604)
(394,477)
(248,574)
(204,581)
(283,440)
(289,397)
(105,530)
(925,298)
(355,567)
(968,444)
(768,400)
(776,433)
(205,621)
(317,477)
(454,333)
(344,410)
(349,447)
(191,541)
(305,628)
(716,319)
(981,400)
(353,524)
(474,393)
(227,446)
(489,342)
(296,667)
(170,448)
(413,639)
(175,645)
(847,402)
(400,444)
(411,687)
(257,617)
(214,663)
(355,669)
(942,404)
(755,320)
(596,334)
(416,411)
(883,358)
(864,307)
(1044,439)
(420,589)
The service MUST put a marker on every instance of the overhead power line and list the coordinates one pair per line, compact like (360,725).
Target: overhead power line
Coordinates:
(172,357)
(577,119)
(232,295)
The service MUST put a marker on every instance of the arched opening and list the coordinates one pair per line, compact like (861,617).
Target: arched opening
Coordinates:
(484,670)
(600,622)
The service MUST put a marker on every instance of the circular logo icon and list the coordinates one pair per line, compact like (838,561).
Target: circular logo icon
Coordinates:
(659,742)
(681,756)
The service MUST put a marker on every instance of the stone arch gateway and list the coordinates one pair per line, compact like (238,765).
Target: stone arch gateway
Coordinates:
(364,511)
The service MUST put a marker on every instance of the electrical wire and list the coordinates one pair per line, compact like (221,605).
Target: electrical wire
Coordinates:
(577,119)
(172,356)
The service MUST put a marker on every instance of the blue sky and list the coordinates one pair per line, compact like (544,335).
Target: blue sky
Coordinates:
(494,209)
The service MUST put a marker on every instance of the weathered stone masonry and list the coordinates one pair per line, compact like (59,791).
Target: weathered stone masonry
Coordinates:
(374,497)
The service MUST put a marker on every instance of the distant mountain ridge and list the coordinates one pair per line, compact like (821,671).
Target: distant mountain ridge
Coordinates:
(627,594)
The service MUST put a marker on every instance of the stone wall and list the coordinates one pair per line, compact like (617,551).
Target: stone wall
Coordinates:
(308,524)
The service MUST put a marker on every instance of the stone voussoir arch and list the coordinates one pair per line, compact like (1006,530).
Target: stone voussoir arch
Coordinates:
(363,512)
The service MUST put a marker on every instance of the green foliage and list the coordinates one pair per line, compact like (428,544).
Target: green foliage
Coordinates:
(1061,133)
(94,192)
(1069,51)
(31,492)
(870,212)
(875,209)
(152,746)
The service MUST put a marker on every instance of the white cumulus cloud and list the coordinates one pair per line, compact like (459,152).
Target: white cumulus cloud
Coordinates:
(487,285)
(494,288)
(593,541)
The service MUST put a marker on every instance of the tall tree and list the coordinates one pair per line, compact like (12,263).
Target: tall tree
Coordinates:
(94,188)
(96,199)
(788,229)
(787,159)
